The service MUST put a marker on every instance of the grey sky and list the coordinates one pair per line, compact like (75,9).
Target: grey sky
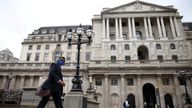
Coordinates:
(21,17)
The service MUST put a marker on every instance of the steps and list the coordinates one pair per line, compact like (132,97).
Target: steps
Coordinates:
(16,106)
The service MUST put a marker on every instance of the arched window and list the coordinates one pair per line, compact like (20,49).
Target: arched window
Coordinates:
(131,99)
(158,46)
(113,47)
(126,47)
(168,101)
(172,46)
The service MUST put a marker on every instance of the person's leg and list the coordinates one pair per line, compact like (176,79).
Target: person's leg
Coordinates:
(57,99)
(43,102)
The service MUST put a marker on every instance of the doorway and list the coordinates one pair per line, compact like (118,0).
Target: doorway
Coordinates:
(168,101)
(149,97)
(142,52)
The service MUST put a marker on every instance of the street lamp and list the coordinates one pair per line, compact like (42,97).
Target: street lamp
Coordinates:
(79,34)
(182,77)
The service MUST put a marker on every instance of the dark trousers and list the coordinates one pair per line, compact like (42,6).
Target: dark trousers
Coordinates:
(56,98)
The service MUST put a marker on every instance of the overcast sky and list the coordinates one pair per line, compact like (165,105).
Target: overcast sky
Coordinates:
(18,18)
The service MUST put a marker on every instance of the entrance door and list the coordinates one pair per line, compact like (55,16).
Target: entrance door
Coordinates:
(143,53)
(168,101)
(149,96)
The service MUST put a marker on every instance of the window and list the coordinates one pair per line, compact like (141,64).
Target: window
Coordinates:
(98,81)
(113,59)
(113,47)
(124,22)
(68,56)
(59,37)
(28,57)
(158,46)
(47,47)
(130,81)
(126,46)
(112,36)
(44,31)
(45,56)
(37,56)
(174,57)
(88,56)
(38,47)
(160,58)
(166,81)
(112,22)
(30,47)
(125,37)
(138,34)
(172,46)
(137,24)
(58,46)
(52,31)
(127,59)
(114,82)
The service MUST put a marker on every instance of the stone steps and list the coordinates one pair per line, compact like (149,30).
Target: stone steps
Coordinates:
(16,106)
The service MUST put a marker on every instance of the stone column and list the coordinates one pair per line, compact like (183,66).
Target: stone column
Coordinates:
(104,36)
(162,101)
(172,26)
(178,92)
(150,29)
(107,28)
(106,91)
(176,27)
(120,29)
(139,99)
(31,81)
(4,82)
(116,27)
(12,82)
(159,28)
(122,88)
(133,26)
(129,27)
(22,81)
(146,28)
(163,27)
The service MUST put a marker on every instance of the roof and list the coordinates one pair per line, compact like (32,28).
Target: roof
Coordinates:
(187,26)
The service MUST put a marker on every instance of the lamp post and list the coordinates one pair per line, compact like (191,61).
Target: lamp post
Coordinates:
(183,76)
(79,34)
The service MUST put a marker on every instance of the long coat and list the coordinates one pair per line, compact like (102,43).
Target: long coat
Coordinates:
(54,76)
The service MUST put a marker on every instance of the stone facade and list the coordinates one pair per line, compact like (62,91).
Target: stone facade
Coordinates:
(136,52)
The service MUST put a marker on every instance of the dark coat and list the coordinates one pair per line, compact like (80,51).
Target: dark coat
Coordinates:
(124,105)
(54,76)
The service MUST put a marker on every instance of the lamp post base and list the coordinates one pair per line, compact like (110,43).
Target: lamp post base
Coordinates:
(76,84)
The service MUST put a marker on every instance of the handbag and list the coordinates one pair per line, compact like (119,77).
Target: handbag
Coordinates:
(44,89)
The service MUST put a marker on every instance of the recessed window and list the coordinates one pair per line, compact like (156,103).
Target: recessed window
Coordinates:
(113,47)
(30,47)
(130,81)
(37,56)
(126,47)
(114,82)
(137,23)
(68,56)
(158,46)
(160,58)
(98,81)
(139,34)
(172,46)
(112,22)
(44,31)
(113,59)
(47,47)
(166,81)
(46,56)
(124,22)
(88,56)
(38,47)
(112,36)
(125,37)
(59,37)
(28,57)
(58,46)
(174,57)
(127,59)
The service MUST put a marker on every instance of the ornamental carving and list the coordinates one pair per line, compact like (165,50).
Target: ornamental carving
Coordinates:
(138,6)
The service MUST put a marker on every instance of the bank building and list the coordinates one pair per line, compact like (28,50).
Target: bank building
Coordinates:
(140,51)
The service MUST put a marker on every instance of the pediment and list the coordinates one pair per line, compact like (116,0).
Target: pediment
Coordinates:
(139,6)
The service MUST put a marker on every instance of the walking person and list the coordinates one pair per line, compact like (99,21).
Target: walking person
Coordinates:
(126,104)
(55,83)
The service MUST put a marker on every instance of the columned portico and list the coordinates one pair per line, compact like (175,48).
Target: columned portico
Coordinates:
(129,27)
(4,81)
(104,35)
(163,28)
(107,31)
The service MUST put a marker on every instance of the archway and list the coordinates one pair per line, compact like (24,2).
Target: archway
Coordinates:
(142,52)
(149,96)
(131,99)
(168,101)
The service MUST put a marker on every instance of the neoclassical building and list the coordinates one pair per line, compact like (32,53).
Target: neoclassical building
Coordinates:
(136,53)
